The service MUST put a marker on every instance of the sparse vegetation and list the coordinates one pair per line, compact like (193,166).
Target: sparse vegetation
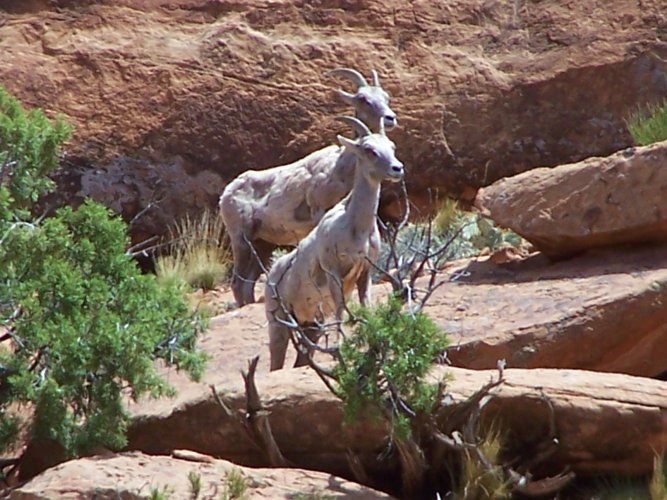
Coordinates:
(649,125)
(470,231)
(80,325)
(197,255)
(236,485)
(457,233)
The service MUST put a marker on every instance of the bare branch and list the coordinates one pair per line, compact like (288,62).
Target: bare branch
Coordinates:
(15,225)
(152,203)
(138,249)
(255,420)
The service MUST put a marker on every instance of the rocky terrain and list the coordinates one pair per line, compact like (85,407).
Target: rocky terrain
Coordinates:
(527,100)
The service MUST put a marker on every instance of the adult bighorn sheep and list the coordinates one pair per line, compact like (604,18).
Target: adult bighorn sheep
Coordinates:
(280,205)
(316,278)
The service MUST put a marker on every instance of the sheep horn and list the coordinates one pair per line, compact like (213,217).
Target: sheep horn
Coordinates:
(351,74)
(359,126)
(376,79)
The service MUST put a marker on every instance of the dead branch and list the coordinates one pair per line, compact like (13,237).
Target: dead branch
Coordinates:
(255,419)
(547,486)
(152,203)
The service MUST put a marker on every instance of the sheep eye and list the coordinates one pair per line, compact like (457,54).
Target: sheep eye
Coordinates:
(363,99)
(371,152)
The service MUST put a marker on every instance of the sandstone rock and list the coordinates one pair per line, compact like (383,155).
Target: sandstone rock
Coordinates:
(594,203)
(136,476)
(604,311)
(592,412)
(483,89)
(157,193)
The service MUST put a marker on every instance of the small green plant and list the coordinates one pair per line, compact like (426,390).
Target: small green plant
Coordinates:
(648,126)
(197,255)
(236,485)
(278,252)
(163,493)
(195,484)
(471,231)
(387,356)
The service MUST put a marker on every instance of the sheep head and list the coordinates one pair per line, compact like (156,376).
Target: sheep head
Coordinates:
(371,102)
(375,152)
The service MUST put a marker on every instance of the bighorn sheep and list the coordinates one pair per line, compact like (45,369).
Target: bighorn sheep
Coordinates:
(279,206)
(316,278)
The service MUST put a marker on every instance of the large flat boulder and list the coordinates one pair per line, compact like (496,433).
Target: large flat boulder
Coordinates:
(137,476)
(605,311)
(606,423)
(602,311)
(597,202)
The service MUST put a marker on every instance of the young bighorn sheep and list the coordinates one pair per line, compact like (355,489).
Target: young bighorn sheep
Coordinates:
(279,206)
(315,279)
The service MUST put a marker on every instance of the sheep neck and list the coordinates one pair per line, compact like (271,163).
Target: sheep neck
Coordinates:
(363,201)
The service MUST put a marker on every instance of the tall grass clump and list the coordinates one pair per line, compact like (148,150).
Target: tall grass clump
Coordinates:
(477,481)
(197,254)
(648,126)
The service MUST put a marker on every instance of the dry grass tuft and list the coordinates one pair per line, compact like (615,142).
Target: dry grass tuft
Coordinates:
(197,253)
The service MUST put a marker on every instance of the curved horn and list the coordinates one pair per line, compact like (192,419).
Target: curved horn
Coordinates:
(351,74)
(376,79)
(360,127)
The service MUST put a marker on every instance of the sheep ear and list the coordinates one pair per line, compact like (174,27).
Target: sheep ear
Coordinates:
(349,143)
(346,96)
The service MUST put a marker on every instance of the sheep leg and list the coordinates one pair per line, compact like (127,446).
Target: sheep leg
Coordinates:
(364,288)
(336,290)
(278,340)
(261,259)
(250,259)
(243,259)
(311,331)
(364,280)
